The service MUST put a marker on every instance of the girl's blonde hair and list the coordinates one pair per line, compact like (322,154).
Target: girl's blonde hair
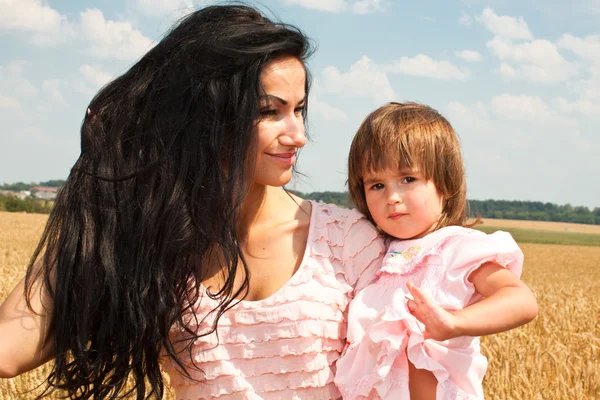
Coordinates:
(410,136)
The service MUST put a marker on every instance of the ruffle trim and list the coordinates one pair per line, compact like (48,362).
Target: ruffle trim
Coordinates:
(320,393)
(272,332)
(418,354)
(294,310)
(228,385)
(293,290)
(248,368)
(334,227)
(282,347)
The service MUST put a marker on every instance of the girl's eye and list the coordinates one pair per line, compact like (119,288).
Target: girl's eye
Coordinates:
(299,110)
(408,179)
(377,186)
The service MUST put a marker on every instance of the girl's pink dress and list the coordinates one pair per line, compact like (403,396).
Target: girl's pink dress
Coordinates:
(383,336)
(285,346)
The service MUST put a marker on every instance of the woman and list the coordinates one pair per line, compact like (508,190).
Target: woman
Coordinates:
(173,241)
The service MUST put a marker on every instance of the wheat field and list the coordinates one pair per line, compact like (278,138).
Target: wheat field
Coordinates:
(557,356)
(541,225)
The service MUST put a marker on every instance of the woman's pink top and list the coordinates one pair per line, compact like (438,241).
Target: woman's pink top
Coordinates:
(383,335)
(285,347)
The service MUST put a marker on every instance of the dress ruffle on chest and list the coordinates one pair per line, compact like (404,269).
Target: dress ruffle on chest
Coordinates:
(285,346)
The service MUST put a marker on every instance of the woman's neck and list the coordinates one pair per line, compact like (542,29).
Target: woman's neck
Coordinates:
(261,205)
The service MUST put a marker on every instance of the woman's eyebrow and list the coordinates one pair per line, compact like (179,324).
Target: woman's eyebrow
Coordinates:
(278,99)
(273,97)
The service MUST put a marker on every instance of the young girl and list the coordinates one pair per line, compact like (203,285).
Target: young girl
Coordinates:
(410,334)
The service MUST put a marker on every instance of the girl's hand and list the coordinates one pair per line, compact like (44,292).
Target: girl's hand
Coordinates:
(439,324)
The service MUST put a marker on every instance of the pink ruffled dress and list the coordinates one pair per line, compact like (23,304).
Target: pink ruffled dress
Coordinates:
(285,346)
(383,336)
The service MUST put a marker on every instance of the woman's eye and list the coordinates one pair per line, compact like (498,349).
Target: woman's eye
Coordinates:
(408,179)
(299,110)
(268,111)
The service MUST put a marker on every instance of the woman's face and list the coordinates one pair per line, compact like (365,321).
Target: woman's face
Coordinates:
(280,132)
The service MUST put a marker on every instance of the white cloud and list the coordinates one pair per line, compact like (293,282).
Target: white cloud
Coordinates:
(327,112)
(465,20)
(95,77)
(12,80)
(524,141)
(587,48)
(367,6)
(110,39)
(538,61)
(422,65)
(162,8)
(8,103)
(337,6)
(507,71)
(321,5)
(323,110)
(51,87)
(522,107)
(477,117)
(505,26)
(363,79)
(46,24)
(582,107)
(527,108)
(469,55)
(588,88)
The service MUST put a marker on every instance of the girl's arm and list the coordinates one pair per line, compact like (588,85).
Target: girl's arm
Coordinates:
(507,304)
(25,338)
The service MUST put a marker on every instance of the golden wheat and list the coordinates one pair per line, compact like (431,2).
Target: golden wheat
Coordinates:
(540,225)
(557,356)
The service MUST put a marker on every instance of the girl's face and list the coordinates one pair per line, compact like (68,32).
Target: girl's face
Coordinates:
(280,132)
(402,202)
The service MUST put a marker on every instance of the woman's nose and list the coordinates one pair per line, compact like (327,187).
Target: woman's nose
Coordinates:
(294,132)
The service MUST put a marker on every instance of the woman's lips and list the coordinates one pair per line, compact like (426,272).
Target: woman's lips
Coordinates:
(284,158)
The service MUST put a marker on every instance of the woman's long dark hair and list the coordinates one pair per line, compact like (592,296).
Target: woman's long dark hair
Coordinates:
(166,157)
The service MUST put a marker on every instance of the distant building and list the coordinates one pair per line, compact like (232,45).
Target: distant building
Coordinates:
(7,193)
(44,192)
(23,194)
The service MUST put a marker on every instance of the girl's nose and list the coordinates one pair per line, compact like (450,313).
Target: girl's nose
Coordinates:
(393,197)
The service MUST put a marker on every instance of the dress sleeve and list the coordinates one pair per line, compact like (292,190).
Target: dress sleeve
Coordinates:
(351,242)
(465,253)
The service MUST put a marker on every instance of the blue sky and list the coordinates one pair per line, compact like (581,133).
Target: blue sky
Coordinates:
(519,81)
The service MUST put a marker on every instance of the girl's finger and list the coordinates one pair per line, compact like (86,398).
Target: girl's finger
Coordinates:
(416,292)
(412,306)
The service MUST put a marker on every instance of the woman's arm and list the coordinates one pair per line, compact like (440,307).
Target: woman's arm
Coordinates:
(507,304)
(25,338)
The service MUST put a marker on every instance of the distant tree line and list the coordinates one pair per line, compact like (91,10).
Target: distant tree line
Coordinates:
(29,205)
(26,186)
(534,211)
(340,198)
(501,209)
